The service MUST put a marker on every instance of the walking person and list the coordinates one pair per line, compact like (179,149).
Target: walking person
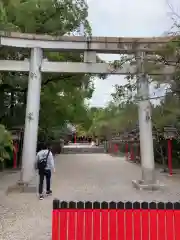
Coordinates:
(45,166)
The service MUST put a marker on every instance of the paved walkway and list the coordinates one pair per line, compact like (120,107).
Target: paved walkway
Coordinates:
(78,177)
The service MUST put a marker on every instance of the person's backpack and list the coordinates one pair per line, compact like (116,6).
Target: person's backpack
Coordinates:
(42,163)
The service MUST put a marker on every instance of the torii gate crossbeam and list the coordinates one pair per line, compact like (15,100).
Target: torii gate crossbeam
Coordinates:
(89,47)
(113,45)
(79,67)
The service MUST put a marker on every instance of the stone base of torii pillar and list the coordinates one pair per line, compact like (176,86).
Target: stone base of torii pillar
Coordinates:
(142,185)
(20,187)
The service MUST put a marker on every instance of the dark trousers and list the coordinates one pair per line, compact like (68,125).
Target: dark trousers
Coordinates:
(47,174)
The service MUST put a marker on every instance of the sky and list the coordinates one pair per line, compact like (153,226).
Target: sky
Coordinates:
(126,18)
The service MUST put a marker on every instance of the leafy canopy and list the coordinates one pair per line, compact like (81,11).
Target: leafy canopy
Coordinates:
(63,95)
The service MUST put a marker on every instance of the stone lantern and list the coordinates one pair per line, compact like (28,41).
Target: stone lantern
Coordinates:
(170,132)
(125,136)
(131,137)
(135,133)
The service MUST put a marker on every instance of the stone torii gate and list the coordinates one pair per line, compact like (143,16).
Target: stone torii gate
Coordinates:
(90,47)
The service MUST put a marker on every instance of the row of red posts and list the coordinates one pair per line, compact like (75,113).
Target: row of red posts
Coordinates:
(114,149)
(115,221)
(129,153)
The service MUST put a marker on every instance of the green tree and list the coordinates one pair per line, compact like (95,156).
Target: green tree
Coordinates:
(63,95)
(6,144)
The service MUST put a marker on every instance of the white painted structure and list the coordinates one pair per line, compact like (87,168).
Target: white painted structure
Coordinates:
(89,46)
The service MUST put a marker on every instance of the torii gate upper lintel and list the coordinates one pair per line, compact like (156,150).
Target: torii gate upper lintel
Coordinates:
(90,47)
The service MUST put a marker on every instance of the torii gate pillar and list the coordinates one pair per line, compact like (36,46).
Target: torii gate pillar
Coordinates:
(32,116)
(148,180)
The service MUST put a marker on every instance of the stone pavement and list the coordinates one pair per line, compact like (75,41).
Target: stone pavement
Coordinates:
(78,177)
(82,148)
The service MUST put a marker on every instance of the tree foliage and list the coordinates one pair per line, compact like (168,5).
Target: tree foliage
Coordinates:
(62,95)
(6,145)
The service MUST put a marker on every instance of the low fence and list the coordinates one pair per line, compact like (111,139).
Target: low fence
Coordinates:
(115,221)
(131,150)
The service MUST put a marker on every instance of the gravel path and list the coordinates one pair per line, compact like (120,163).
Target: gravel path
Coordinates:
(78,177)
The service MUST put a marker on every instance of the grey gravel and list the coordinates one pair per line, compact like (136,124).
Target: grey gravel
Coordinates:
(78,177)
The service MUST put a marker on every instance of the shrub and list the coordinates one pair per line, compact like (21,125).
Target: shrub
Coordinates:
(6,144)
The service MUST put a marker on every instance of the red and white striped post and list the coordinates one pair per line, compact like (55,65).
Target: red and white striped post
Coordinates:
(169,134)
(132,152)
(115,148)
